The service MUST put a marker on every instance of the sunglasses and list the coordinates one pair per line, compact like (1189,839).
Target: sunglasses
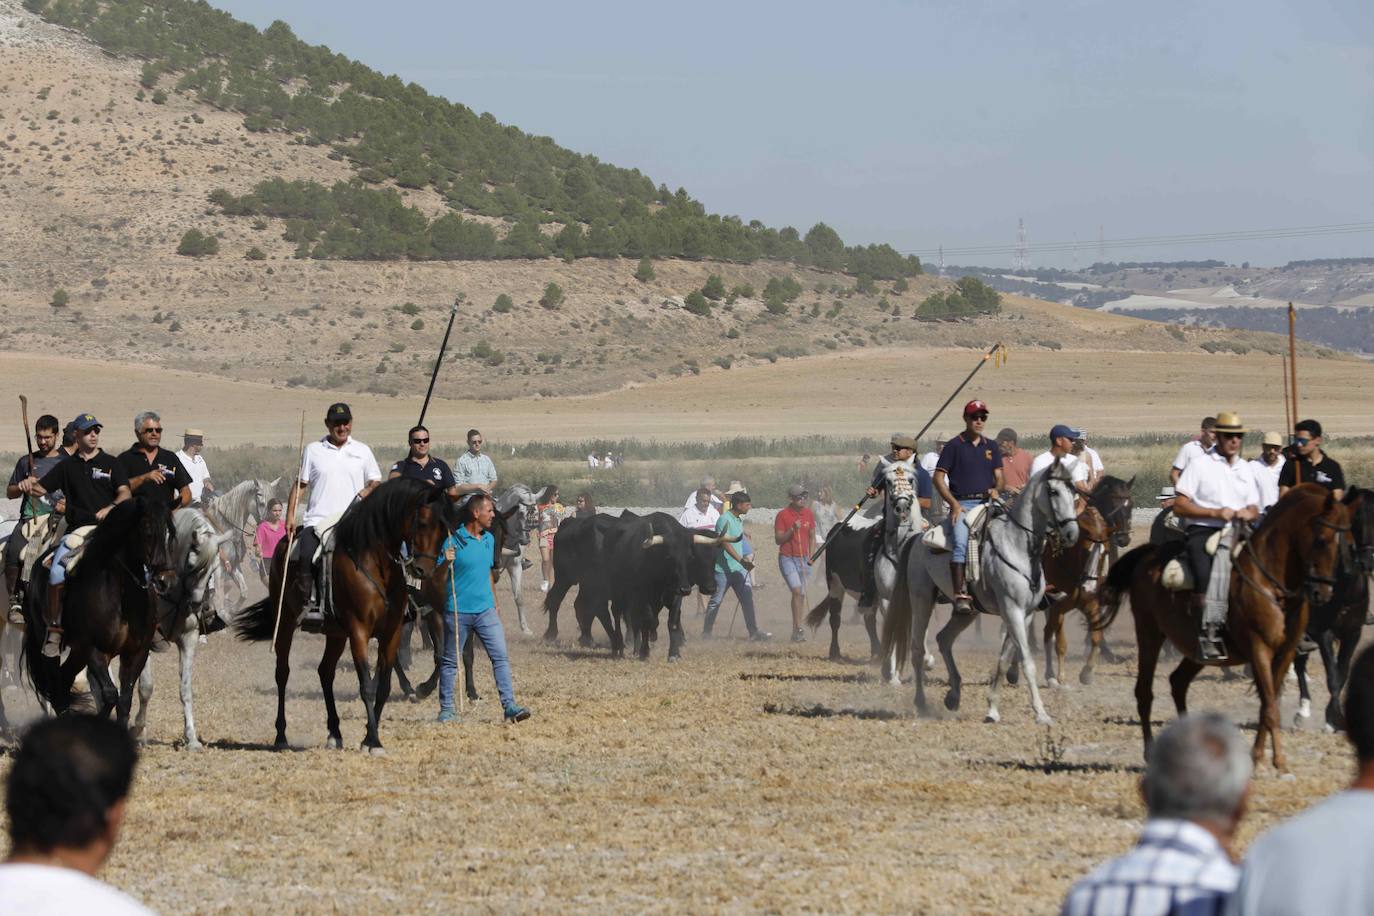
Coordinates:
(419,441)
(93,429)
(1230,435)
(1302,442)
(153,429)
(979,417)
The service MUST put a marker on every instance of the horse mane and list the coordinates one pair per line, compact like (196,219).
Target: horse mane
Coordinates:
(378,518)
(115,533)
(236,499)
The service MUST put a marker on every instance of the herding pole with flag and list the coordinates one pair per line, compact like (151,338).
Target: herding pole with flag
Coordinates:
(998,354)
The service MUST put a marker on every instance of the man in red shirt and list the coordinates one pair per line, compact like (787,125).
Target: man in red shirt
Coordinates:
(1016,462)
(793,531)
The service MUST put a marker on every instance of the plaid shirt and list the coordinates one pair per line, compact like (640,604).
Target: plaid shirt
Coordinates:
(1176,867)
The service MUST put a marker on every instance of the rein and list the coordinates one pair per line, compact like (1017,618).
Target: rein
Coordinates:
(1310,577)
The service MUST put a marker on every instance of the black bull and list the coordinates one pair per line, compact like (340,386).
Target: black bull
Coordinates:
(628,569)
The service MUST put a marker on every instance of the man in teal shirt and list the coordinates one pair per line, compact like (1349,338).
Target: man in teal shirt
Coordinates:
(470,606)
(732,570)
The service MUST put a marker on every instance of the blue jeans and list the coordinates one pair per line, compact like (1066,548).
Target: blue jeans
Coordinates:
(960,532)
(737,580)
(58,573)
(487,626)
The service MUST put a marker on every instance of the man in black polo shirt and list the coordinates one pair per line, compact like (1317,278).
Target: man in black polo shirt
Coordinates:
(968,474)
(154,472)
(92,482)
(421,465)
(1307,463)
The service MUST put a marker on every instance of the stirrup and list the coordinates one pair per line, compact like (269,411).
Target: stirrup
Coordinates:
(963,604)
(52,642)
(1212,646)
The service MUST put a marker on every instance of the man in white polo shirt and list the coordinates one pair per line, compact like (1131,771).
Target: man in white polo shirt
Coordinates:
(1213,491)
(336,470)
(193,440)
(1194,448)
(1062,437)
(1267,468)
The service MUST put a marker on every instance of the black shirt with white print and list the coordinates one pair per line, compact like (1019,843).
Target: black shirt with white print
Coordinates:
(89,485)
(434,471)
(175,476)
(1298,469)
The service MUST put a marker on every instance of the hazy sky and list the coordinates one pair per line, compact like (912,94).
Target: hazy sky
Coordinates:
(923,124)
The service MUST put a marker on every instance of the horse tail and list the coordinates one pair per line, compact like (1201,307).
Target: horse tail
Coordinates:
(897,623)
(1118,580)
(40,670)
(822,610)
(256,622)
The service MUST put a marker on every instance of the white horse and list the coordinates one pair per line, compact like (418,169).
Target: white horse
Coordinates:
(517,511)
(234,510)
(195,556)
(1010,584)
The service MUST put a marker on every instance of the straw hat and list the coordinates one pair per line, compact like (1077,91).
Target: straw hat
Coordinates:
(735,487)
(1273,439)
(1228,422)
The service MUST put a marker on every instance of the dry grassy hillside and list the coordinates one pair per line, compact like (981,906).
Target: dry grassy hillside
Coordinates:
(97,187)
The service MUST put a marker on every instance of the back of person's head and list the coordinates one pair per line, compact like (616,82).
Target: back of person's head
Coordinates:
(1311,427)
(67,776)
(1197,770)
(1359,706)
(1209,422)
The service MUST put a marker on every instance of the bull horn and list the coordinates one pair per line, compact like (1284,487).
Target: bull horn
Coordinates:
(704,539)
(655,541)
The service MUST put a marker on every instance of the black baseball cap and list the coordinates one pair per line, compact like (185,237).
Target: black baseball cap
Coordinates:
(338,413)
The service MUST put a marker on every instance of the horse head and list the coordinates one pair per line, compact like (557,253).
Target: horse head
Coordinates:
(901,487)
(157,543)
(424,531)
(197,549)
(1112,498)
(1056,501)
(1360,503)
(1330,545)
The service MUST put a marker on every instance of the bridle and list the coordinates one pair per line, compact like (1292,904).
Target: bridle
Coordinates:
(1118,517)
(1311,580)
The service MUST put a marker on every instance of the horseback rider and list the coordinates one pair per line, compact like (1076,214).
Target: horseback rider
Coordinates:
(1268,467)
(1212,492)
(419,464)
(34,512)
(1194,448)
(336,470)
(968,475)
(92,481)
(151,469)
(202,487)
(1307,463)
(903,448)
(1062,438)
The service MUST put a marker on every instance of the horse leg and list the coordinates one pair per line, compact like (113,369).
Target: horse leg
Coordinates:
(1178,683)
(1262,664)
(102,686)
(432,624)
(1304,689)
(403,661)
(1335,680)
(1005,658)
(875,645)
(367,685)
(145,696)
(386,661)
(957,624)
(186,652)
(1149,639)
(515,571)
(283,671)
(836,608)
(1095,640)
(1054,643)
(329,663)
(922,603)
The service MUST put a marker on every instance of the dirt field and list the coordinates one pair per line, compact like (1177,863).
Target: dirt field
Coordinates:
(747,777)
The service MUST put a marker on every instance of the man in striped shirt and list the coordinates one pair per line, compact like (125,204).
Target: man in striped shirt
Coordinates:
(1197,780)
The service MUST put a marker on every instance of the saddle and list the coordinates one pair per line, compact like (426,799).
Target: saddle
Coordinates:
(321,563)
(75,542)
(937,541)
(1176,575)
(41,535)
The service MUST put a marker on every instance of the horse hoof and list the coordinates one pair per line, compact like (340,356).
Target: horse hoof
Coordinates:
(334,743)
(1085,677)
(412,697)
(194,747)
(550,638)
(675,658)
(377,751)
(1304,710)
(1013,676)
(993,716)
(1053,682)
(930,662)
(1286,776)
(527,631)
(281,745)
(894,681)
(1329,728)
(1044,720)
(952,701)
(835,656)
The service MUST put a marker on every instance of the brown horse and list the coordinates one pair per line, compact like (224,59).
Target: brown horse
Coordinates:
(1289,561)
(369,595)
(1067,572)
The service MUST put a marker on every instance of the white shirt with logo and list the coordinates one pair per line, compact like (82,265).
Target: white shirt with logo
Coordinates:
(1078,470)
(40,890)
(1267,479)
(199,471)
(1213,482)
(335,475)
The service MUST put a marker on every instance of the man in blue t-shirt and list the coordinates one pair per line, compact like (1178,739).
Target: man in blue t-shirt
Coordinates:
(968,474)
(732,569)
(470,605)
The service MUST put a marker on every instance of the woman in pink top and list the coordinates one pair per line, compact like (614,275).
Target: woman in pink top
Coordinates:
(270,533)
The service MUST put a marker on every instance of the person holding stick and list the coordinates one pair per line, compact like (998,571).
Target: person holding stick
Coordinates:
(733,568)
(968,474)
(793,530)
(37,517)
(1309,464)
(470,553)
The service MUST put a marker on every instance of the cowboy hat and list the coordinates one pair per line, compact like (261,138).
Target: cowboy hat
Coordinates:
(1228,422)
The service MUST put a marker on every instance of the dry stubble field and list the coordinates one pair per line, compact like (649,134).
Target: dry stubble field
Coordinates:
(708,784)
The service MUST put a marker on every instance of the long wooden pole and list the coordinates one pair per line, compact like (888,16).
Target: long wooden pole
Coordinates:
(1293,359)
(1288,420)
(28,443)
(290,536)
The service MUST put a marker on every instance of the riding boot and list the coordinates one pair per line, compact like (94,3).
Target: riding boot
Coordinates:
(52,616)
(1210,642)
(963,604)
(16,607)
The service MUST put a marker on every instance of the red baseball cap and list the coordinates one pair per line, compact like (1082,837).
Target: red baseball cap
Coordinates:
(973,407)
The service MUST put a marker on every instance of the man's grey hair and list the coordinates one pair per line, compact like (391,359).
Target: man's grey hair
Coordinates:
(708,483)
(1197,769)
(144,418)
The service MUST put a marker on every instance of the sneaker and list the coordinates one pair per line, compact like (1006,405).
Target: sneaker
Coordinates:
(760,636)
(516,714)
(799,635)
(447,714)
(52,645)
(16,615)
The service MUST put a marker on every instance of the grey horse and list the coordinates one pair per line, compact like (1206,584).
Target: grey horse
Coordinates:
(1010,584)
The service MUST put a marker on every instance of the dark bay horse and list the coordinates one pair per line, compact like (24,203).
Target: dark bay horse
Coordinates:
(109,608)
(369,595)
(1289,562)
(1336,625)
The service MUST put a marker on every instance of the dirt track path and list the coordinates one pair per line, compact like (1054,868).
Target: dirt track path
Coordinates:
(746,777)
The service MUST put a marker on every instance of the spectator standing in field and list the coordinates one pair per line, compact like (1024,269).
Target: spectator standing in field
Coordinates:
(825,512)
(584,507)
(608,462)
(1194,448)
(1309,464)
(702,516)
(732,569)
(1322,861)
(65,797)
(1267,468)
(270,532)
(794,529)
(550,513)
(192,443)
(1016,462)
(1196,784)
(475,471)
(864,462)
(593,463)
(708,483)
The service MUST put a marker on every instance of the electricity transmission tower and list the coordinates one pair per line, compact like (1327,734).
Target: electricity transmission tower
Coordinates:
(1020,261)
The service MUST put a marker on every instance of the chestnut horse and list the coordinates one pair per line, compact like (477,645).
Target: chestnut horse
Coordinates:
(1290,561)
(1066,571)
(369,595)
